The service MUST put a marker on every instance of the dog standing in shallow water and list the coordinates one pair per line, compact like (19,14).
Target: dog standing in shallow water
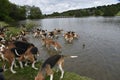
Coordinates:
(49,42)
(49,64)
(70,36)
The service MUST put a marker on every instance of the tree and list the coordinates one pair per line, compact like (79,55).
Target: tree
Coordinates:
(11,12)
(4,10)
(110,11)
(35,13)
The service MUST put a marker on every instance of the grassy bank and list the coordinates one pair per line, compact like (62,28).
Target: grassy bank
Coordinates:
(118,14)
(16,30)
(28,74)
(3,24)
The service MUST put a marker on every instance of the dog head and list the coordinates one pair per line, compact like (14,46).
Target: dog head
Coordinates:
(2,47)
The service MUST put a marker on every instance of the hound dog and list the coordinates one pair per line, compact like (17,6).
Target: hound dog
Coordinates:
(51,34)
(58,31)
(22,51)
(49,42)
(26,51)
(54,33)
(75,35)
(70,35)
(2,37)
(44,35)
(49,64)
(40,33)
(36,34)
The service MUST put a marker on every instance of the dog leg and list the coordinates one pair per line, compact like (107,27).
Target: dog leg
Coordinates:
(4,66)
(11,68)
(51,77)
(57,68)
(26,63)
(33,65)
(43,43)
(15,65)
(56,49)
(61,69)
(48,46)
(21,65)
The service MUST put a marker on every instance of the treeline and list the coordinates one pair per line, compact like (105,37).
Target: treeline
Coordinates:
(13,12)
(109,10)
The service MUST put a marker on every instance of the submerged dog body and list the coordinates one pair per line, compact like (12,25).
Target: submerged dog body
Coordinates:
(49,64)
(70,35)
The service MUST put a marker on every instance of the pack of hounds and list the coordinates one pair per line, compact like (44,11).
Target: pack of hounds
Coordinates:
(19,49)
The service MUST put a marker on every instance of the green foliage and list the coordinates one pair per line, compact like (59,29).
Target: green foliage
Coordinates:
(17,12)
(12,31)
(3,24)
(55,14)
(4,10)
(11,12)
(30,25)
(35,13)
(110,10)
(118,14)
(98,12)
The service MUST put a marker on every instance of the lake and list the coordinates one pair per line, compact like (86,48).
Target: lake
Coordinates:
(100,59)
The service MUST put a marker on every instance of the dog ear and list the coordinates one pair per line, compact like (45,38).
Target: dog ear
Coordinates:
(43,39)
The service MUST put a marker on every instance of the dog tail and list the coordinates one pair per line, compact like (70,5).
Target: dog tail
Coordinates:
(69,56)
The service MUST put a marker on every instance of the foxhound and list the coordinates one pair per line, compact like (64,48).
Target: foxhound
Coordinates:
(49,42)
(49,64)
(70,35)
(22,51)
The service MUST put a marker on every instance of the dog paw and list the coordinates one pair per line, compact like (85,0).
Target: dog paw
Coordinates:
(35,68)
(13,72)
(5,69)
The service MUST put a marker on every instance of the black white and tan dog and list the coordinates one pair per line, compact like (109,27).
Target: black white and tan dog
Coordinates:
(23,51)
(54,33)
(40,33)
(51,34)
(58,31)
(49,64)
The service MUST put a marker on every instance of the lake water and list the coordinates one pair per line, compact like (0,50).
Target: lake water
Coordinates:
(100,59)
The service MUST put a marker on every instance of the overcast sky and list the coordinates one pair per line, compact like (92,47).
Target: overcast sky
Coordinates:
(50,6)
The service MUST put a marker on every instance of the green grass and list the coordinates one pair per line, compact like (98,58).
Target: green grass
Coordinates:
(3,24)
(118,14)
(27,73)
(12,31)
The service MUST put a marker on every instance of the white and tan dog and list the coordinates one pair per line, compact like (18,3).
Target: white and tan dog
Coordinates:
(49,64)
(70,36)
(49,42)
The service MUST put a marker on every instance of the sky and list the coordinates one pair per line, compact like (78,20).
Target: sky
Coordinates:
(50,6)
